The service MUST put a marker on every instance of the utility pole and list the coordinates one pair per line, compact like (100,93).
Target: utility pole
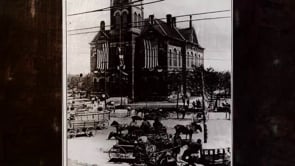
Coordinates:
(203,106)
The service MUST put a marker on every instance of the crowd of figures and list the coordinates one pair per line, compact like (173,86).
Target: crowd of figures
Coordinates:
(152,145)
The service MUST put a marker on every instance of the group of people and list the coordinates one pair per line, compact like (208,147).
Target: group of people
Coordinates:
(146,126)
(191,155)
(197,104)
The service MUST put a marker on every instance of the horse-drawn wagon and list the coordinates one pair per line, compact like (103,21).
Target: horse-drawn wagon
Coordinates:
(143,149)
(87,123)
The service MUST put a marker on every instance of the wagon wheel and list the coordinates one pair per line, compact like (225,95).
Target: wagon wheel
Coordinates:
(90,131)
(150,148)
(72,133)
(117,152)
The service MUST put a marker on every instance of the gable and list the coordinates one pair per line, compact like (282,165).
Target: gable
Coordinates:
(100,36)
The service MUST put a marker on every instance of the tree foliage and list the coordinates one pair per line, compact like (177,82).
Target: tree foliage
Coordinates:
(80,82)
(213,80)
(174,81)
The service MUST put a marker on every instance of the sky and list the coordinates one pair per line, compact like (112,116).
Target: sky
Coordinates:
(214,35)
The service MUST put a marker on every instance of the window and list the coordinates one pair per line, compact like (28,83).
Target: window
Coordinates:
(135,20)
(196,60)
(139,20)
(170,57)
(118,20)
(187,59)
(93,52)
(175,57)
(192,59)
(179,59)
(125,19)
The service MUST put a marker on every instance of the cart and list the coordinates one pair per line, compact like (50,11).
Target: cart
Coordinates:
(122,153)
(87,123)
(216,157)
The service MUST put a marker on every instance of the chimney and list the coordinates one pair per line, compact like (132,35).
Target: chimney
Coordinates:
(174,21)
(190,21)
(102,25)
(151,19)
(169,19)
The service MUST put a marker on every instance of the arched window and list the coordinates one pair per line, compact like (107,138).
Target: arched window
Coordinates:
(196,60)
(175,57)
(191,59)
(187,59)
(125,19)
(118,20)
(135,19)
(139,20)
(170,57)
(179,59)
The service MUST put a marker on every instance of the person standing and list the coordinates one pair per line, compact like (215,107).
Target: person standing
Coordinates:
(188,102)
(177,143)
(129,111)
(158,126)
(133,123)
(198,103)
(183,110)
(145,125)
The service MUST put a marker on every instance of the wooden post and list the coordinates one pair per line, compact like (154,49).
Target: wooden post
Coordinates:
(203,106)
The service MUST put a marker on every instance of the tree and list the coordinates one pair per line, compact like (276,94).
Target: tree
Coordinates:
(194,80)
(211,80)
(87,83)
(84,83)
(174,81)
(225,82)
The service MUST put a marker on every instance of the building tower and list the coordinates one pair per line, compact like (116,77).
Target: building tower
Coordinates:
(126,20)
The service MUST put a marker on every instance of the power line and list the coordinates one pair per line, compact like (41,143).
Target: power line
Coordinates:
(205,19)
(104,9)
(195,14)
(157,24)
(200,19)
(87,28)
(83,33)
(217,11)
(116,7)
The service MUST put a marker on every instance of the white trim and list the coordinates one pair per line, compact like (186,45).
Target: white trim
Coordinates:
(117,11)
(124,10)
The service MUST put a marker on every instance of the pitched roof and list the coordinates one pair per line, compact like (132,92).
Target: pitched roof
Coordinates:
(164,29)
(189,34)
(100,35)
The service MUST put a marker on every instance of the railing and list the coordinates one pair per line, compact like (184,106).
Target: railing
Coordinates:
(219,156)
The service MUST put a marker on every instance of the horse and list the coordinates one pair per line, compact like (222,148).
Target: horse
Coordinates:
(188,130)
(122,138)
(113,134)
(119,127)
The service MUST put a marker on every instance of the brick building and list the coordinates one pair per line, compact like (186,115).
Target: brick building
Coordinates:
(136,56)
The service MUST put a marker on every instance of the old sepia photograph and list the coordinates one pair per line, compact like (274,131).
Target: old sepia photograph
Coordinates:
(148,82)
